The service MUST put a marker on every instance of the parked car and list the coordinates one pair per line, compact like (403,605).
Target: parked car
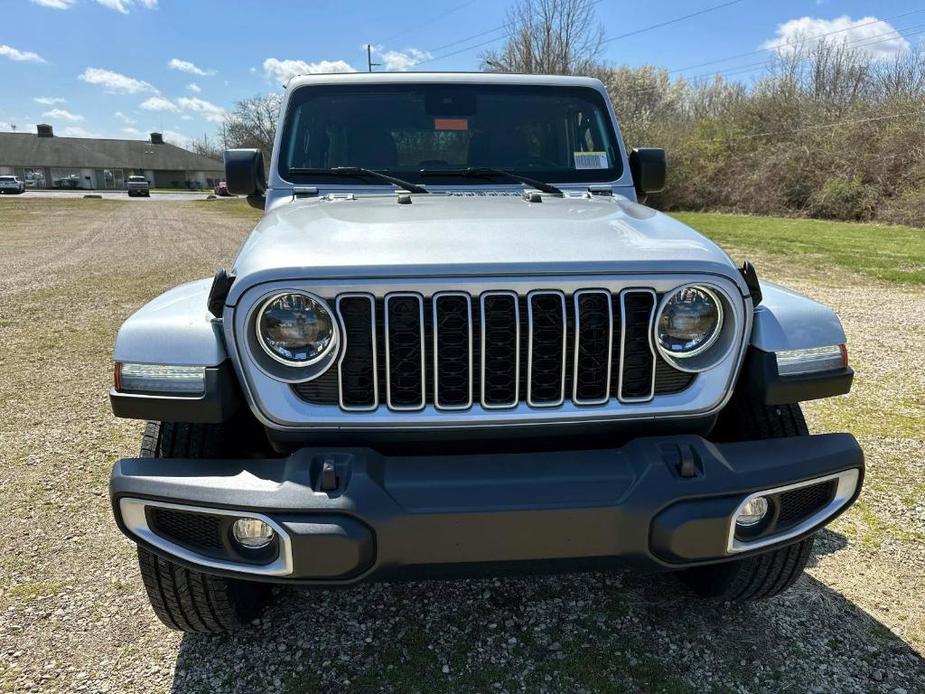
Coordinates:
(71,182)
(11,185)
(221,188)
(138,185)
(457,340)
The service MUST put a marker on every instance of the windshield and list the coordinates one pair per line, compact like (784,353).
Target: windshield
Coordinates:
(551,133)
(137,179)
(7,178)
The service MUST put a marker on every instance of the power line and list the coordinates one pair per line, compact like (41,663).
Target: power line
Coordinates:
(672,21)
(814,37)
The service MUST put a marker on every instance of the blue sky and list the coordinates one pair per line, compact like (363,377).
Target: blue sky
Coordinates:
(121,68)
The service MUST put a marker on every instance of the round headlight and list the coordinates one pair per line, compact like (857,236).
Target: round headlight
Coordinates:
(296,329)
(689,322)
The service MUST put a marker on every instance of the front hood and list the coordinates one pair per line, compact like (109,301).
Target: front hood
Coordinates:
(481,235)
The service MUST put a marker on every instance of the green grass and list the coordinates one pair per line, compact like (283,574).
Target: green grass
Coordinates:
(890,253)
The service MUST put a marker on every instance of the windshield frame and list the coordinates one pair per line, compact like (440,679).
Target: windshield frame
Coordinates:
(562,177)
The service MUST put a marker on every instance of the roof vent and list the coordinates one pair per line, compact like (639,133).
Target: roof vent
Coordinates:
(44,130)
(157,139)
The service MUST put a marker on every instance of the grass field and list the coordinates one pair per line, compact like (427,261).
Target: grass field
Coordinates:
(891,253)
(73,615)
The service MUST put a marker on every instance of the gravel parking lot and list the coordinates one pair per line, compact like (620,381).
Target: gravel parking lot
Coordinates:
(74,618)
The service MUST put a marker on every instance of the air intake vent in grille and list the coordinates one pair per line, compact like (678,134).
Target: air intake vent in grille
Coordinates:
(200,531)
(356,369)
(452,329)
(498,349)
(546,355)
(404,351)
(637,375)
(802,502)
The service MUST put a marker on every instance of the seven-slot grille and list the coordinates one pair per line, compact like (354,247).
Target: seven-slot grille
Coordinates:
(498,350)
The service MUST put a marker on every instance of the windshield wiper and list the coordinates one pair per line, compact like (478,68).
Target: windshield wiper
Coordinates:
(359,172)
(483,172)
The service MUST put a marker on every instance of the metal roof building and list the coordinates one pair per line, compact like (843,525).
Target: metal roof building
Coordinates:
(45,161)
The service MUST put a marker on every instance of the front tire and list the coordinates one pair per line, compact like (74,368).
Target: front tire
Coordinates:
(182,598)
(769,574)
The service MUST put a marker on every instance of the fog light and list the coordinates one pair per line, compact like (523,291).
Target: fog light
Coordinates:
(252,533)
(752,512)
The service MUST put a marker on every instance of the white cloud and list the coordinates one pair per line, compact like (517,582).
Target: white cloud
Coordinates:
(877,37)
(193,87)
(123,6)
(20,56)
(208,110)
(399,61)
(76,131)
(186,104)
(49,100)
(158,103)
(131,131)
(128,120)
(61,114)
(282,70)
(186,116)
(175,138)
(188,67)
(56,4)
(115,81)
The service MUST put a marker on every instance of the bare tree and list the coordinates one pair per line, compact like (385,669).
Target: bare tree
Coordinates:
(206,147)
(252,123)
(557,37)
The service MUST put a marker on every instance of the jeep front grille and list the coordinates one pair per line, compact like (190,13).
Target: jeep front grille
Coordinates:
(498,349)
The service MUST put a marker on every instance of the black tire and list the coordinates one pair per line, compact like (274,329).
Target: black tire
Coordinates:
(184,599)
(765,575)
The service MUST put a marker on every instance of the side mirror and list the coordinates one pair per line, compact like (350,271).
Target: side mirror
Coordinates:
(648,166)
(245,175)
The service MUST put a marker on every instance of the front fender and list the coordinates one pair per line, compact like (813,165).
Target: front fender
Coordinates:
(787,320)
(175,328)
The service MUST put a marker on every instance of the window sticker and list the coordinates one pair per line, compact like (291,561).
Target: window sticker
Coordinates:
(591,160)
(451,123)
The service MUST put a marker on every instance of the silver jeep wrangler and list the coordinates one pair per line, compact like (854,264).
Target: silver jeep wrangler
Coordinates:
(457,342)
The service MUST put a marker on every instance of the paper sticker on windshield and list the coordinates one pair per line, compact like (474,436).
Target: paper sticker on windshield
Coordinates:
(451,123)
(591,160)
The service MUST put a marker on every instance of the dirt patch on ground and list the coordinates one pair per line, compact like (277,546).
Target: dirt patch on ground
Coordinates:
(73,615)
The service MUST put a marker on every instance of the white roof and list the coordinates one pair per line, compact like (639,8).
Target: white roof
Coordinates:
(443,78)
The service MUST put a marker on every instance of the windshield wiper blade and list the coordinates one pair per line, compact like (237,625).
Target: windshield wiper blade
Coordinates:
(359,172)
(483,172)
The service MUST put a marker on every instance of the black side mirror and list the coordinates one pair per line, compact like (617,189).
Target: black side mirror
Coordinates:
(245,175)
(648,166)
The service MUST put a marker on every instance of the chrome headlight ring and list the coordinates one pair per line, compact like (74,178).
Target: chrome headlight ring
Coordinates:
(714,349)
(333,340)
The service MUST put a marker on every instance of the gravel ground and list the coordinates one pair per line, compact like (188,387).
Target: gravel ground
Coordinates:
(73,615)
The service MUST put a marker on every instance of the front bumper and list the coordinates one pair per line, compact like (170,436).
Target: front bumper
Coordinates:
(665,500)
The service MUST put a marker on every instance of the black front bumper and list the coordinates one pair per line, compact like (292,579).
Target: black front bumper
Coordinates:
(667,500)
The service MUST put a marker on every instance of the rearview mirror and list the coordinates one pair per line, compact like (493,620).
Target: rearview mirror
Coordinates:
(245,175)
(648,166)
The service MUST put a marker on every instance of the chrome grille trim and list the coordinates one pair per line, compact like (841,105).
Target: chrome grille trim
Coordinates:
(575,298)
(343,353)
(516,299)
(388,372)
(435,300)
(623,295)
(561,398)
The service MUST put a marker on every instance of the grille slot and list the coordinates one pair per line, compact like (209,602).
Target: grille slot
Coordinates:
(404,351)
(359,388)
(546,352)
(501,349)
(637,368)
(500,329)
(452,333)
(593,347)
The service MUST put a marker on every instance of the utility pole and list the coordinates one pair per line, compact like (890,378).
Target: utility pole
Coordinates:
(369,58)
